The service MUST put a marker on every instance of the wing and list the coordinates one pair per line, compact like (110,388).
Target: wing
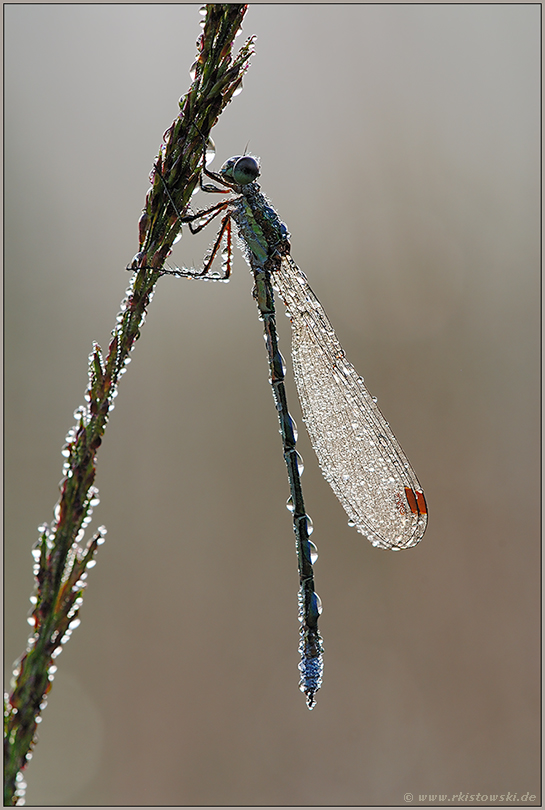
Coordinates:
(356,449)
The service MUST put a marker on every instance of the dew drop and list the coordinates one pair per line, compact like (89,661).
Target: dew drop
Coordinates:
(294,428)
(313,552)
(317,604)
(289,505)
(210,153)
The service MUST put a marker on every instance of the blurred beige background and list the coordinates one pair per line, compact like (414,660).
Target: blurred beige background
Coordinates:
(400,144)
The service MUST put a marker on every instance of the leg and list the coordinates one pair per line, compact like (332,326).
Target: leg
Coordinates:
(207,216)
(204,272)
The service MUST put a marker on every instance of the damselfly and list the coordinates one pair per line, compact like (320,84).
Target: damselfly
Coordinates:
(356,449)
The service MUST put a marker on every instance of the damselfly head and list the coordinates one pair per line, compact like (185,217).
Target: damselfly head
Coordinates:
(241,170)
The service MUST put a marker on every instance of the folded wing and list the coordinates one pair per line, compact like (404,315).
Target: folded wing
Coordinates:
(356,449)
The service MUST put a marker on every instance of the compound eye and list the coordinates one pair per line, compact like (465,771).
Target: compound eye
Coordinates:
(245,170)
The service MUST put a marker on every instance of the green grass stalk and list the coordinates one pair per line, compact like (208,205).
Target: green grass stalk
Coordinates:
(60,562)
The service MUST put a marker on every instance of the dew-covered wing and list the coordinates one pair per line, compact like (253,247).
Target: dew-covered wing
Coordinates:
(357,451)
